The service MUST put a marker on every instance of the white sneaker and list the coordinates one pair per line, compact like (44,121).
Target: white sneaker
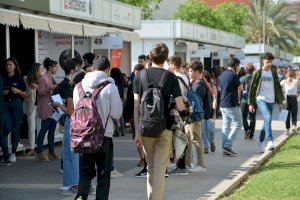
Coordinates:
(171,165)
(63,188)
(287,132)
(261,148)
(271,145)
(294,129)
(115,173)
(197,169)
(12,158)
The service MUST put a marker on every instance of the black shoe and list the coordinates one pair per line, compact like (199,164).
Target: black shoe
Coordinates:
(229,152)
(141,174)
(5,162)
(247,134)
(212,147)
(206,151)
(116,135)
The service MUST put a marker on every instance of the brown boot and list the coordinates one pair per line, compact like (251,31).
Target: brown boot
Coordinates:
(41,157)
(53,156)
(30,153)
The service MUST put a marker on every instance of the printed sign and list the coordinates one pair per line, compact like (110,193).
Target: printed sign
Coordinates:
(115,58)
(78,7)
(58,48)
(108,42)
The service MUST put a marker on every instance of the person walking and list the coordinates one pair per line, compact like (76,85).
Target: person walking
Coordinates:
(291,88)
(29,104)
(109,106)
(246,82)
(14,91)
(46,85)
(175,64)
(229,106)
(193,130)
(264,92)
(208,123)
(157,141)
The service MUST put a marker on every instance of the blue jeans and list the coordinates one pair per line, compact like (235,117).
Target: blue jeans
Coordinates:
(208,132)
(266,110)
(13,115)
(70,159)
(230,116)
(47,125)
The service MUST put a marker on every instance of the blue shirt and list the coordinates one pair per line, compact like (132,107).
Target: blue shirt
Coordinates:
(229,83)
(14,81)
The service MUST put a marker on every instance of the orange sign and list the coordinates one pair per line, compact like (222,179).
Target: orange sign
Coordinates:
(115,58)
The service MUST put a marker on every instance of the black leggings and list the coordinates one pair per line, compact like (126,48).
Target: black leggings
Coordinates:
(292,107)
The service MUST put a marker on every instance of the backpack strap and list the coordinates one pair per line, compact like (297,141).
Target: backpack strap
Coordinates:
(163,79)
(99,89)
(183,82)
(80,90)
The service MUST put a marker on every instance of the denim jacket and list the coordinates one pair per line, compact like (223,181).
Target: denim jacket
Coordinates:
(255,88)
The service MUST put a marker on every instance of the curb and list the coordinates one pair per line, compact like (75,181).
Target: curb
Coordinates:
(226,187)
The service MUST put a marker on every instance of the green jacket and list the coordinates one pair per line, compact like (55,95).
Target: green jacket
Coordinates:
(255,88)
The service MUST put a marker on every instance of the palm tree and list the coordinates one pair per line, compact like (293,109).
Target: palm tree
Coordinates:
(281,27)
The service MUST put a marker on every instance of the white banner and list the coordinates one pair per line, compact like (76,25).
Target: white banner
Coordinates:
(201,53)
(108,42)
(58,48)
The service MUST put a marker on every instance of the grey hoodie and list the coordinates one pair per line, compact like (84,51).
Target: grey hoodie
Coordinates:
(108,103)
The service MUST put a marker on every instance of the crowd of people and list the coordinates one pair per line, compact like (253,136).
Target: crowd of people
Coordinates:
(168,111)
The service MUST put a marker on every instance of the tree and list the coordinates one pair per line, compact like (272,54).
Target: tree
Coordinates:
(148,6)
(296,49)
(281,28)
(227,16)
(196,12)
(231,17)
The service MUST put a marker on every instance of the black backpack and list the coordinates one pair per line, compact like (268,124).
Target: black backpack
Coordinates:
(152,121)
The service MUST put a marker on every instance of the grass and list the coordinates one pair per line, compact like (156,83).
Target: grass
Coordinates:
(279,178)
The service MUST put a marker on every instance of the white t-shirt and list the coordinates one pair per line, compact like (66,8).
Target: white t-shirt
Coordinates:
(183,89)
(267,91)
(290,88)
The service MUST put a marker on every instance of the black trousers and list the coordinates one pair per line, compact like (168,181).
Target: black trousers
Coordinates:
(87,171)
(252,116)
(292,107)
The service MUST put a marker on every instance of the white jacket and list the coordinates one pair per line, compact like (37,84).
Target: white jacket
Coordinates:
(108,103)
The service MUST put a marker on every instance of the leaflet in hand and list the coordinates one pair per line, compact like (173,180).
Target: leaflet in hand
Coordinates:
(282,115)
(57,98)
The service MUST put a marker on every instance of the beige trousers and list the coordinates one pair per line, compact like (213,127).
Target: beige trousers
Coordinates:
(193,132)
(157,152)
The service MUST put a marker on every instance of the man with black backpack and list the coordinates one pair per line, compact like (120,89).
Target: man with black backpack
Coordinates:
(193,130)
(106,96)
(153,89)
(246,82)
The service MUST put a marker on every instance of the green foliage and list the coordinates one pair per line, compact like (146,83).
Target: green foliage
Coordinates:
(296,49)
(148,6)
(231,17)
(227,16)
(196,12)
(281,28)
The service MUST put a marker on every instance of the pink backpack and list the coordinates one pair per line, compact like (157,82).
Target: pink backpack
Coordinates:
(87,131)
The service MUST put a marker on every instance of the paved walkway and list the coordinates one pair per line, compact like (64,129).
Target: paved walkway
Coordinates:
(28,180)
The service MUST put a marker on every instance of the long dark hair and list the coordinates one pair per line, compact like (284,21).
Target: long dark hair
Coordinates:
(31,75)
(116,74)
(17,68)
